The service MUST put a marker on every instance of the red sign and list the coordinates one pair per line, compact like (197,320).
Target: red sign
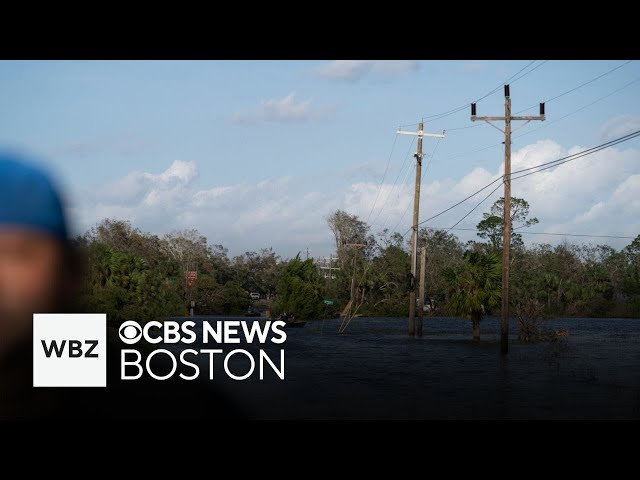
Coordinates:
(191,278)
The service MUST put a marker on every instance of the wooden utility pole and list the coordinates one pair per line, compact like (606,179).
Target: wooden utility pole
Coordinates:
(352,296)
(353,274)
(506,221)
(423,268)
(416,211)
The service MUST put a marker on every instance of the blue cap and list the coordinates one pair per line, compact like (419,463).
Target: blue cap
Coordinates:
(29,198)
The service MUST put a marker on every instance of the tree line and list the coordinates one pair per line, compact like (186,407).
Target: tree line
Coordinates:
(135,275)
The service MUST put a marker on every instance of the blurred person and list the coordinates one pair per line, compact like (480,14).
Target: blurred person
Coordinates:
(41,272)
(38,273)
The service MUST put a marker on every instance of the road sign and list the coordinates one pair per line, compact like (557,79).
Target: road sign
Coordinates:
(191,276)
(328,302)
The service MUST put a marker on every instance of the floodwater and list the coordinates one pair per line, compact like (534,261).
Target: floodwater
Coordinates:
(375,370)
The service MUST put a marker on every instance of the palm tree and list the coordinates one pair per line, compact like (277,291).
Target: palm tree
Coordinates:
(473,288)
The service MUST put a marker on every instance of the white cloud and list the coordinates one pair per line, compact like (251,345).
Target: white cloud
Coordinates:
(143,186)
(597,194)
(354,70)
(619,126)
(274,212)
(283,110)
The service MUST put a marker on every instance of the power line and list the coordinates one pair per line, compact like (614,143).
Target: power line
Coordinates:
(508,80)
(459,203)
(624,138)
(476,206)
(479,203)
(571,90)
(401,217)
(544,166)
(540,233)
(438,116)
(526,73)
(464,128)
(548,123)
(435,149)
(421,180)
(577,235)
(575,156)
(580,109)
(383,176)
(396,180)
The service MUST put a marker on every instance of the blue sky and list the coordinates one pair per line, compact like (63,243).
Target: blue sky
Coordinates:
(255,153)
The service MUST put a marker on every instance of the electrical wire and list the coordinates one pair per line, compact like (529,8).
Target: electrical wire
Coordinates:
(575,156)
(476,206)
(582,154)
(435,149)
(447,113)
(539,233)
(579,109)
(383,176)
(545,125)
(510,79)
(421,181)
(540,167)
(455,205)
(526,73)
(571,90)
(396,180)
(401,217)
(495,90)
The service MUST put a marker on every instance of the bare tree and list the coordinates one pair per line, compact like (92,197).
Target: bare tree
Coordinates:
(346,229)
(187,247)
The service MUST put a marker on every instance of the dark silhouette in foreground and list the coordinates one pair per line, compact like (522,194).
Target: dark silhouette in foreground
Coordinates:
(40,272)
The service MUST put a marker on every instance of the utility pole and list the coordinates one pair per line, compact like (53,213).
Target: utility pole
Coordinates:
(423,268)
(506,228)
(416,211)
(353,275)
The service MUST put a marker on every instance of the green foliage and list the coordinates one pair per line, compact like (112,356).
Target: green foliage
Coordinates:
(490,228)
(474,287)
(122,285)
(133,275)
(631,278)
(444,251)
(386,285)
(211,298)
(257,272)
(233,299)
(299,290)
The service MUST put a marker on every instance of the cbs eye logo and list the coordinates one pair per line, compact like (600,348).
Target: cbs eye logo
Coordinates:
(130,332)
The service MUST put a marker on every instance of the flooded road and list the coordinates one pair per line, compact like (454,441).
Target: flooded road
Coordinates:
(376,371)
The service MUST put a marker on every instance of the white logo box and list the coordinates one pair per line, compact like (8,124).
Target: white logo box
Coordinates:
(70,367)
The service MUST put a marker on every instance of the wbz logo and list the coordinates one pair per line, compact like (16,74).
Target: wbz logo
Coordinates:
(75,348)
(69,350)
